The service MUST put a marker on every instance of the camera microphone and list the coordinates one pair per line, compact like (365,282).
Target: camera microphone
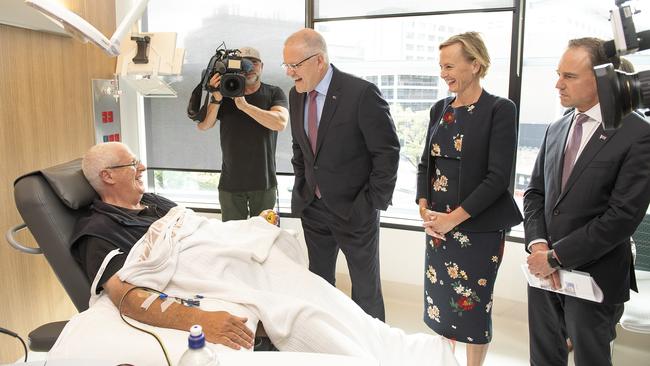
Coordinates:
(610,48)
(246,65)
(644,40)
(644,44)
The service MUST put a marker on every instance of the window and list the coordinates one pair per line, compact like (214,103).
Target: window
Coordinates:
(424,80)
(368,48)
(416,106)
(416,94)
(173,141)
(387,93)
(417,81)
(372,79)
(387,80)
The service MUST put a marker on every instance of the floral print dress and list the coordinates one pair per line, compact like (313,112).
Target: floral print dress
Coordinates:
(460,271)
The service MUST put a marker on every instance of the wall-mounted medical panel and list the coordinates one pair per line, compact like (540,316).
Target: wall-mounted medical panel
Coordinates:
(106,110)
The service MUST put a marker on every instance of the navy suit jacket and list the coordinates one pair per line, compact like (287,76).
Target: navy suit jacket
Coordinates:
(357,150)
(590,223)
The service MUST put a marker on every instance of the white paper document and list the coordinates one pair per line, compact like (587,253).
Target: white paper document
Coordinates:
(574,283)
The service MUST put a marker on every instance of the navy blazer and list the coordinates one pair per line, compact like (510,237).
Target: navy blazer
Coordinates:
(589,224)
(487,159)
(357,150)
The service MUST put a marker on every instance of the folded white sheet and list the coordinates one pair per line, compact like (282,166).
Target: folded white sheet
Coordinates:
(256,270)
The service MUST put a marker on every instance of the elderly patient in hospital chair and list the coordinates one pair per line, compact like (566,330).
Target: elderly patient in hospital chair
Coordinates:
(131,238)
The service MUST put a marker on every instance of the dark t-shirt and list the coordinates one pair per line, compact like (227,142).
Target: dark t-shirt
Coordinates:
(248,148)
(90,252)
(110,227)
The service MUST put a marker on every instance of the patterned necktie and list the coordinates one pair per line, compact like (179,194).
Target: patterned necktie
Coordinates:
(571,152)
(312,120)
(312,127)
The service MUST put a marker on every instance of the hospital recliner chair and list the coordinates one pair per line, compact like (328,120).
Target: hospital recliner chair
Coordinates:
(50,201)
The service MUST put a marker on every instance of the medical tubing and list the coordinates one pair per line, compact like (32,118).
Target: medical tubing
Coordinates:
(119,308)
(15,335)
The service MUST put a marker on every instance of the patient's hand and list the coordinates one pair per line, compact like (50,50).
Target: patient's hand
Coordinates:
(224,328)
(219,326)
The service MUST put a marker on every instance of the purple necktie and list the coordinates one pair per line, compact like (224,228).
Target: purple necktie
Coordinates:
(312,126)
(571,152)
(312,120)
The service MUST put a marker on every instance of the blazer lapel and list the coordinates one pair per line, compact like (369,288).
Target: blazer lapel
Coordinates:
(555,155)
(331,102)
(300,116)
(595,143)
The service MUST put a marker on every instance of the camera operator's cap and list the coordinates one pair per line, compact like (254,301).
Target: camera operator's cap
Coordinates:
(250,52)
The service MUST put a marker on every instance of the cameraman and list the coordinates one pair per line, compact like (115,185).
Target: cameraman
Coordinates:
(249,132)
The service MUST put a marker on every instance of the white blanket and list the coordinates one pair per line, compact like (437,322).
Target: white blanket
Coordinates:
(261,268)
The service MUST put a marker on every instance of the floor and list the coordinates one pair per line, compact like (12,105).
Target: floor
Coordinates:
(509,346)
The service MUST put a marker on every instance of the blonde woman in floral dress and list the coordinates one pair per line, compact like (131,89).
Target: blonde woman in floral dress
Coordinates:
(463,181)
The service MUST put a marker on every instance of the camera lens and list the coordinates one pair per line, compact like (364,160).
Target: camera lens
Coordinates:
(620,93)
(232,85)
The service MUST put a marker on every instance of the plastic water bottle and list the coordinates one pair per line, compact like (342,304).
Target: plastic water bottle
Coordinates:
(198,354)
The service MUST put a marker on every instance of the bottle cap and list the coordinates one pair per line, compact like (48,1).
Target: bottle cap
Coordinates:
(196,338)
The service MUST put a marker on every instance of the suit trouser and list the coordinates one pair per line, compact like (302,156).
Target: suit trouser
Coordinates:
(553,317)
(326,233)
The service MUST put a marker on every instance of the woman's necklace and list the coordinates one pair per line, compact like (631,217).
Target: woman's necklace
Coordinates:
(468,107)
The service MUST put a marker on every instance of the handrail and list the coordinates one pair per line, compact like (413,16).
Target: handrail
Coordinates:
(14,243)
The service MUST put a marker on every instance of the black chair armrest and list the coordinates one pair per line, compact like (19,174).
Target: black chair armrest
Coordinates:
(42,338)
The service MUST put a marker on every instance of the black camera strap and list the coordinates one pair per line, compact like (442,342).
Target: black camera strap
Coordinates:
(196,110)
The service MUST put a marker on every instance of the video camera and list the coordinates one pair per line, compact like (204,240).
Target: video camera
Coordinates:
(232,68)
(619,92)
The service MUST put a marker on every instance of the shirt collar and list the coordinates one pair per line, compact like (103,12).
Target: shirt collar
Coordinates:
(324,84)
(593,113)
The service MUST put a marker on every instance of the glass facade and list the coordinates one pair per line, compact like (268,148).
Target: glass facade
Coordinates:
(397,53)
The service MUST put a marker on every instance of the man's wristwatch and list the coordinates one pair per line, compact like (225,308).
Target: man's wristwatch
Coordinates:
(552,261)
(214,101)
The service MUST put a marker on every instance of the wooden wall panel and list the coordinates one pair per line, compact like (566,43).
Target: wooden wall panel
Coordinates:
(45,119)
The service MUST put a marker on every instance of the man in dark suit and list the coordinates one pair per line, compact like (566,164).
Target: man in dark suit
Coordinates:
(345,158)
(587,195)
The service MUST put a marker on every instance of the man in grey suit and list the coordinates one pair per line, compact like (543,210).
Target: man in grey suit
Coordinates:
(345,158)
(587,195)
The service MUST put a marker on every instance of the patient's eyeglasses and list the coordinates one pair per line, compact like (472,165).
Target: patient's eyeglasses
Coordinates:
(294,67)
(134,164)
